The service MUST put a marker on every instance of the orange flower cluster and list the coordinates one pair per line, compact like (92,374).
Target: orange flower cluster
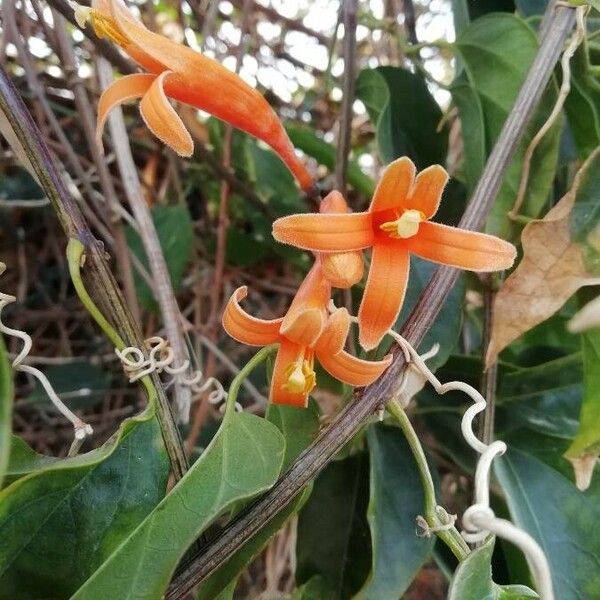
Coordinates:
(396,225)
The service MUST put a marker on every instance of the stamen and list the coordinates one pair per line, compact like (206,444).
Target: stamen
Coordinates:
(81,13)
(406,226)
(300,376)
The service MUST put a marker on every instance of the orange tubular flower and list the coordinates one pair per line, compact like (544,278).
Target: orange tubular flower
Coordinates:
(396,224)
(306,331)
(178,72)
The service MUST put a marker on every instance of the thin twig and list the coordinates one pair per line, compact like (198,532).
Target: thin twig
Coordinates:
(355,414)
(158,267)
(345,132)
(97,271)
(410,21)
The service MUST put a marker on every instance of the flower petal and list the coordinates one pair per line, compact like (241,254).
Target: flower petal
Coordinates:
(427,190)
(334,334)
(394,186)
(126,88)
(461,248)
(288,352)
(304,327)
(351,370)
(325,232)
(384,293)
(163,121)
(244,327)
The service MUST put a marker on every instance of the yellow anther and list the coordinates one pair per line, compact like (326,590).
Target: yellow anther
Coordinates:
(406,226)
(300,378)
(81,13)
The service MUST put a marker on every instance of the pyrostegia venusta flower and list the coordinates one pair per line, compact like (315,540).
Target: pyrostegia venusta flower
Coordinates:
(341,269)
(306,331)
(178,72)
(396,225)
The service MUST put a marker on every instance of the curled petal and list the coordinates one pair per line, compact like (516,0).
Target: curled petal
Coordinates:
(394,186)
(427,190)
(122,90)
(460,248)
(244,327)
(325,232)
(334,202)
(163,121)
(384,293)
(351,370)
(304,327)
(286,355)
(335,332)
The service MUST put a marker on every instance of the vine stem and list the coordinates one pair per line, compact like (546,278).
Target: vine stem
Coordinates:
(555,29)
(98,274)
(450,536)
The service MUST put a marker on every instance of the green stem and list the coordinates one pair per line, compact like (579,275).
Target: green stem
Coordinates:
(234,388)
(451,537)
(171,438)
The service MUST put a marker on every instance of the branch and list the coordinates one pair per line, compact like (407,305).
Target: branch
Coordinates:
(98,275)
(559,22)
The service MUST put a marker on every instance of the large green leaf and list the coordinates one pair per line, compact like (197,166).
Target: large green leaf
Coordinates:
(396,498)
(473,579)
(243,459)
(506,42)
(306,140)
(60,522)
(544,502)
(6,400)
(299,428)
(406,116)
(24,460)
(176,236)
(333,534)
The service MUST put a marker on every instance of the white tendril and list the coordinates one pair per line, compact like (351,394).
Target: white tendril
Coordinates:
(160,359)
(81,429)
(479,519)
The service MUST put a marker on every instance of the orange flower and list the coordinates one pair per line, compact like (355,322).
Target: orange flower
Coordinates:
(341,269)
(306,331)
(178,72)
(396,225)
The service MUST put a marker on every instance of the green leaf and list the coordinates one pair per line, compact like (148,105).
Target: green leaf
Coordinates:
(446,328)
(6,401)
(587,440)
(176,236)
(60,522)
(473,579)
(333,534)
(299,428)
(396,498)
(79,384)
(306,140)
(508,43)
(314,589)
(544,502)
(243,459)
(405,114)
(24,460)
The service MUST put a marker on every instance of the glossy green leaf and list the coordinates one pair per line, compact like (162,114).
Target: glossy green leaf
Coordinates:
(24,460)
(176,236)
(544,501)
(314,589)
(508,43)
(306,140)
(299,428)
(333,533)
(405,115)
(396,498)
(6,401)
(60,522)
(243,459)
(473,579)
